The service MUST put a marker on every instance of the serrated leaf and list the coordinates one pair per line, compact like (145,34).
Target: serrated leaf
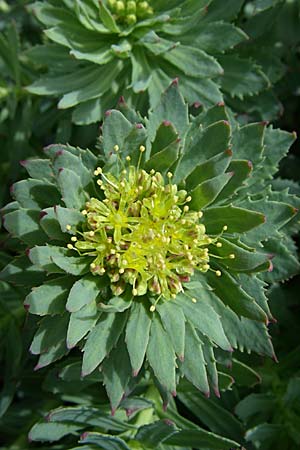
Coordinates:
(40,169)
(116,371)
(101,340)
(42,257)
(171,108)
(104,441)
(51,332)
(155,433)
(137,334)
(73,265)
(24,224)
(173,320)
(51,432)
(115,129)
(197,438)
(35,194)
(213,415)
(238,220)
(84,291)
(205,193)
(161,355)
(21,272)
(204,318)
(81,322)
(193,365)
(49,298)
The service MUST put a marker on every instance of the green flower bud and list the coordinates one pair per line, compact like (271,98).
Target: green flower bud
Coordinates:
(131,7)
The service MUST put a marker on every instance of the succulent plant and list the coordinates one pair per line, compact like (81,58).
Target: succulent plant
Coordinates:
(106,49)
(153,254)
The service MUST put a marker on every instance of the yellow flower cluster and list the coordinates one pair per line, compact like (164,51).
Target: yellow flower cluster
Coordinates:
(142,233)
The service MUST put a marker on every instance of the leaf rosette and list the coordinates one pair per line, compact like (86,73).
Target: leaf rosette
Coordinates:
(135,48)
(155,253)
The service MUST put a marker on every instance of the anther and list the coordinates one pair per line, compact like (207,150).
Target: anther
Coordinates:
(225,228)
(68,227)
(218,273)
(232,256)
(152,308)
(142,148)
(84,212)
(169,175)
(188,199)
(93,266)
(128,158)
(194,300)
(116,148)
(134,292)
(91,233)
(99,182)
(219,244)
(70,246)
(73,238)
(186,208)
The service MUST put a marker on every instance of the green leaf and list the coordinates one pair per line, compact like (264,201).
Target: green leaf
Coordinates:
(24,224)
(238,220)
(193,62)
(173,321)
(207,143)
(171,108)
(21,272)
(115,129)
(51,332)
(51,432)
(70,217)
(209,169)
(205,193)
(87,415)
(193,365)
(116,371)
(200,438)
(49,298)
(241,76)
(116,304)
(213,415)
(137,334)
(216,37)
(81,322)
(84,291)
(229,290)
(74,265)
(50,225)
(161,355)
(243,375)
(155,433)
(104,441)
(42,257)
(204,318)
(73,194)
(35,194)
(101,340)
(240,170)
(107,18)
(40,169)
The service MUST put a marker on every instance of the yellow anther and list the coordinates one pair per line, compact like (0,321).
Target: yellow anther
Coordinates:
(232,256)
(225,228)
(91,233)
(102,270)
(152,308)
(113,251)
(116,148)
(186,208)
(96,173)
(194,300)
(169,175)
(188,199)
(122,271)
(200,214)
(92,266)
(99,182)
(99,170)
(134,292)
(73,238)
(70,246)
(68,227)
(84,212)
(152,172)
(142,148)
(206,267)
(218,273)
(219,244)
(128,158)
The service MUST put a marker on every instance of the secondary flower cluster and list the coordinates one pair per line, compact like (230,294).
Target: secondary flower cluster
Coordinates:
(129,11)
(143,233)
